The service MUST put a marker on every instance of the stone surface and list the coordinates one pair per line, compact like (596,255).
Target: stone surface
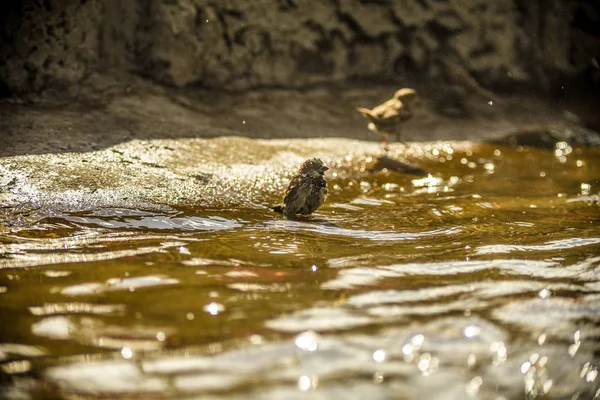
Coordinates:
(238,45)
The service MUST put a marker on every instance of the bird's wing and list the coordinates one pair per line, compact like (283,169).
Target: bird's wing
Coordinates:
(389,110)
(295,196)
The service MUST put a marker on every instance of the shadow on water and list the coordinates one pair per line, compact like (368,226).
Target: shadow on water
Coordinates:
(482,281)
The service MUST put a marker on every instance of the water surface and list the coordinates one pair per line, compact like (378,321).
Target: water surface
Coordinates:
(479,281)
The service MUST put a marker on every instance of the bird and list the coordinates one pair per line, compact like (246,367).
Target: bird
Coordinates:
(307,190)
(387,117)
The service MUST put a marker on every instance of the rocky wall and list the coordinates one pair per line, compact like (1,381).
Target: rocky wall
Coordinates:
(242,44)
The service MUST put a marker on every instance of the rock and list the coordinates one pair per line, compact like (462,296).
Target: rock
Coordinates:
(391,164)
(235,45)
(546,137)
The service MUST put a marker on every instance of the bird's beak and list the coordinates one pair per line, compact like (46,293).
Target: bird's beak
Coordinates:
(324,168)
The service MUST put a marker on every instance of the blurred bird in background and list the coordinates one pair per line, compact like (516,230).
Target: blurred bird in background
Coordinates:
(387,117)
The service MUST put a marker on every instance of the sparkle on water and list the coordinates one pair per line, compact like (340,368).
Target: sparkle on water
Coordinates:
(480,280)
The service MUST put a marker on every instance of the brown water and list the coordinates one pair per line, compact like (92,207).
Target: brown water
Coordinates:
(481,281)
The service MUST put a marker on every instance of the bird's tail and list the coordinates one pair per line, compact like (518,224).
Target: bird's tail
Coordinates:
(364,111)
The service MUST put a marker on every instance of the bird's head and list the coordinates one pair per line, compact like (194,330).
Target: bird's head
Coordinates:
(406,95)
(313,166)
(411,101)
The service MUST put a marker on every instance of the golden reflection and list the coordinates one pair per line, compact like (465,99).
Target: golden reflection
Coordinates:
(428,364)
(471,331)
(542,339)
(33,253)
(307,341)
(472,387)
(118,284)
(214,308)
(306,382)
(16,367)
(397,262)
(379,356)
(576,343)
(499,353)
(126,353)
(77,308)
(585,189)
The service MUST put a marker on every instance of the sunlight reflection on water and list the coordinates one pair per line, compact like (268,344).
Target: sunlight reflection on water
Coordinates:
(451,286)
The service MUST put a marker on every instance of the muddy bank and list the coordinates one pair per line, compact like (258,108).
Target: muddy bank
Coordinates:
(105,114)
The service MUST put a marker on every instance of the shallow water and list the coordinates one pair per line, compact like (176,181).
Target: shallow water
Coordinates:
(480,281)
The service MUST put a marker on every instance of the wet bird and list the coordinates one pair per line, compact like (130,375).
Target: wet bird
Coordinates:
(307,190)
(388,116)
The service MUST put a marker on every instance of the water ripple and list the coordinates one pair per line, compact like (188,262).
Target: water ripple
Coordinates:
(554,245)
(36,252)
(375,235)
(348,278)
(124,218)
(116,284)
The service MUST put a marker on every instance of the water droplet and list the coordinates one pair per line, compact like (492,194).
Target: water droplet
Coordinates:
(541,339)
(126,353)
(417,340)
(378,377)
(585,189)
(573,349)
(184,250)
(379,355)
(256,339)
(534,357)
(307,341)
(474,385)
(424,362)
(306,382)
(214,308)
(544,293)
(471,360)
(190,316)
(472,331)
(160,336)
(547,385)
(525,367)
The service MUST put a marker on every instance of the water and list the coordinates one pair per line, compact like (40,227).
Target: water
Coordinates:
(480,281)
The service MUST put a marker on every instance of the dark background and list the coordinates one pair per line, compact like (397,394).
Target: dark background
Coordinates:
(507,45)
